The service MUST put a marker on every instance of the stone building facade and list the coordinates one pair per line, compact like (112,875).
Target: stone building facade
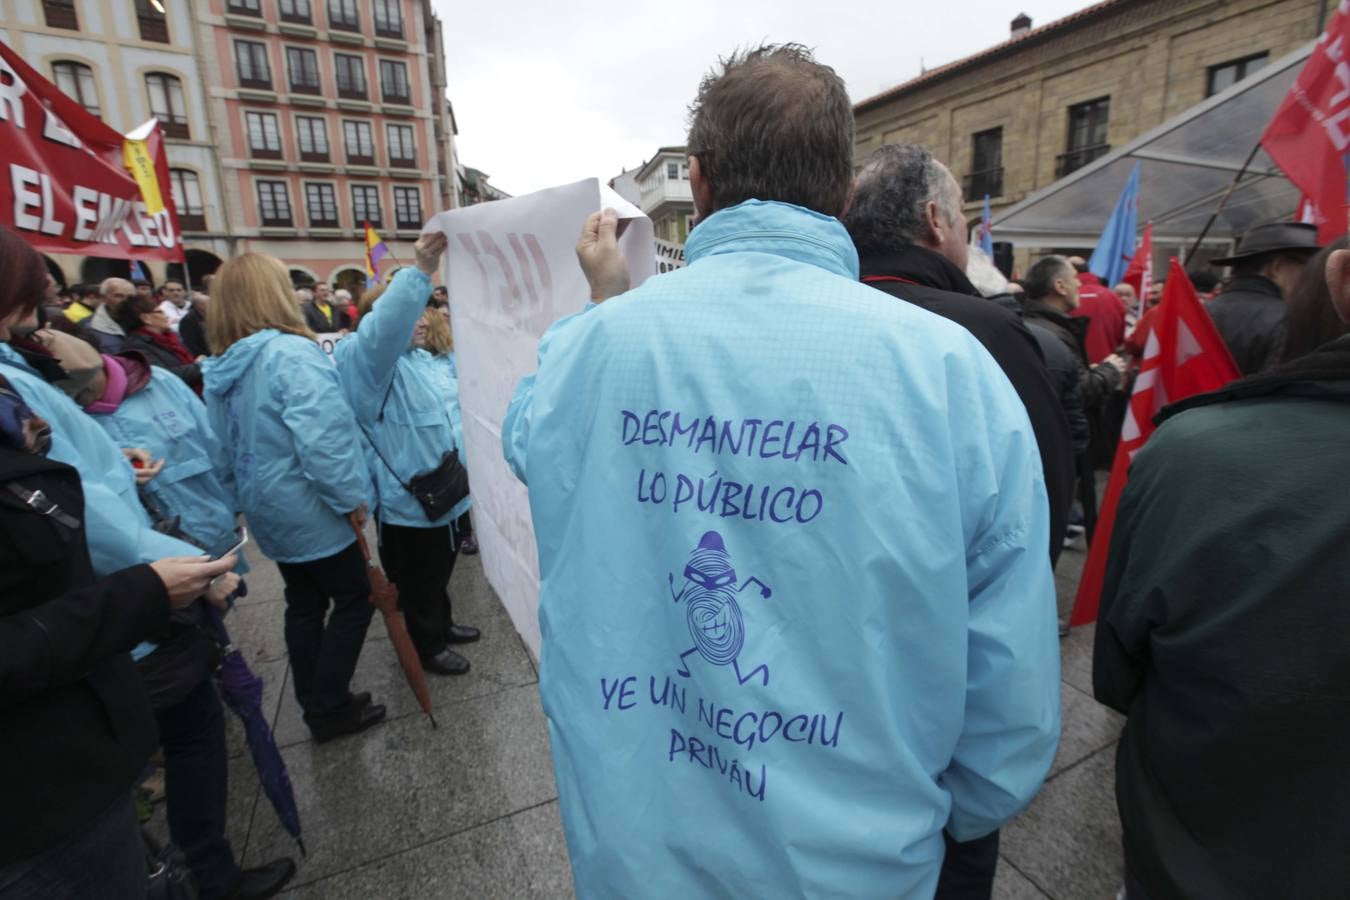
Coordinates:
(1015,117)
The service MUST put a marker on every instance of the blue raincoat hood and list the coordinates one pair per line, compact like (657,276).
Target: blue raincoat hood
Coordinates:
(797,613)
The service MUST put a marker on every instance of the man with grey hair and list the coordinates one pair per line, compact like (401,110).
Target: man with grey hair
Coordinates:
(796,608)
(907,224)
(101,327)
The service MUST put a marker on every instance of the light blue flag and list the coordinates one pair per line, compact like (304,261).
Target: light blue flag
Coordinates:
(987,231)
(138,272)
(1116,247)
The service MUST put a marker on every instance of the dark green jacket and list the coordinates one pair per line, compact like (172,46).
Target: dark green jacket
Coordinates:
(1224,635)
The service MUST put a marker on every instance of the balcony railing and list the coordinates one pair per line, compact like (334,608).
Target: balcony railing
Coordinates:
(989,181)
(305,86)
(403,162)
(175,129)
(396,95)
(1076,159)
(314,156)
(351,91)
(244,8)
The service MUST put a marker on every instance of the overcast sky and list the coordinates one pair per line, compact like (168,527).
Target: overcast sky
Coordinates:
(547,94)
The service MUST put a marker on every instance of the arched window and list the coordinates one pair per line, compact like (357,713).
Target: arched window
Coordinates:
(187,199)
(167,105)
(76,80)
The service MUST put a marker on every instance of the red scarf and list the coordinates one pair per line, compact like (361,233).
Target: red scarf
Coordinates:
(169,341)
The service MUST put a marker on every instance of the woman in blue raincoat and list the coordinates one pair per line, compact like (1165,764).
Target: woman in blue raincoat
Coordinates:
(438,355)
(293,458)
(407,425)
(140,405)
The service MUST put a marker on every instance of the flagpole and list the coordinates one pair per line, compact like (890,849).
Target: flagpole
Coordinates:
(1223,201)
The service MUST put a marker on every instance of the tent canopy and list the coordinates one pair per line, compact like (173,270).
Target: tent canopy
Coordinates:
(1185,166)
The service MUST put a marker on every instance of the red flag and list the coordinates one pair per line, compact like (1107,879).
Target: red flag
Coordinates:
(1184,356)
(71,184)
(1310,134)
(1140,273)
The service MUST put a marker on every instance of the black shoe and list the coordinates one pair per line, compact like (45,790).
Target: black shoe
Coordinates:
(360,699)
(469,546)
(265,881)
(349,720)
(462,634)
(447,662)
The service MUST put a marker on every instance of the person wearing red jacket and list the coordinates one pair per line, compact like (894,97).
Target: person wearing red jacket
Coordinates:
(1103,309)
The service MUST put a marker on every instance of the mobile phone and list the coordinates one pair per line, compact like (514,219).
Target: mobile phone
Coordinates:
(242,534)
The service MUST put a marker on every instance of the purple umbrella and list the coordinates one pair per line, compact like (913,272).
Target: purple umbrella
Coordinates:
(242,691)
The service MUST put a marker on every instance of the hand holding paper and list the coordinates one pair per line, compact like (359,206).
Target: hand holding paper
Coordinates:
(604,264)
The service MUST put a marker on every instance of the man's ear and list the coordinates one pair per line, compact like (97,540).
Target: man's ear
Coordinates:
(701,189)
(1338,282)
(932,225)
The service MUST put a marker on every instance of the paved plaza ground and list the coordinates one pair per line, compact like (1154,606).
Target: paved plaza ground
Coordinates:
(470,809)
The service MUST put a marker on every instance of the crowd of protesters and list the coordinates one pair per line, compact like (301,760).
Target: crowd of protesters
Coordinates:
(904,596)
(137,426)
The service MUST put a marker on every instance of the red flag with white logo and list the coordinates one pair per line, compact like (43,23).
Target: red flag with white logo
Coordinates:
(1307,211)
(1184,356)
(1309,136)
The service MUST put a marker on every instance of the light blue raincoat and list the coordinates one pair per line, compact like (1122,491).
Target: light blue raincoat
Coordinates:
(400,409)
(292,446)
(168,419)
(116,525)
(796,608)
(440,370)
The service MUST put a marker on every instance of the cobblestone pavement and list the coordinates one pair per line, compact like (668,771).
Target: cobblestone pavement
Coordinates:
(470,810)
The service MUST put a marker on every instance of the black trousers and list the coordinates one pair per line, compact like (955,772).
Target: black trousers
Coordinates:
(192,733)
(324,653)
(968,868)
(419,562)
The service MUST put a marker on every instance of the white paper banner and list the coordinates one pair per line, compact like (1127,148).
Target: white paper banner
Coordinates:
(512,273)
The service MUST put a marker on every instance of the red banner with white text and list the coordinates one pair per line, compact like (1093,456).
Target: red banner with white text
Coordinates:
(71,184)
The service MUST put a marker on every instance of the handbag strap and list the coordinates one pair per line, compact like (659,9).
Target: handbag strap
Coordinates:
(380,418)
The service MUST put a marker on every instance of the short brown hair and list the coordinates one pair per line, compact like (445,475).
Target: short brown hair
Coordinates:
(251,293)
(774,124)
(25,281)
(128,313)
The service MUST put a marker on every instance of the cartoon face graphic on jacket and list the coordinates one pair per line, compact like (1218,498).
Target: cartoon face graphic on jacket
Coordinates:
(714,617)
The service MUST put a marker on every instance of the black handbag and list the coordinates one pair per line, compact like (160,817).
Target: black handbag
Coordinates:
(437,490)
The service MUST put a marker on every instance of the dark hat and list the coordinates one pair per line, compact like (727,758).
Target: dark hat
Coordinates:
(1277,237)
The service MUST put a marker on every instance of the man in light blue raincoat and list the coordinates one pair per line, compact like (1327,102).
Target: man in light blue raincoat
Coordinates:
(797,612)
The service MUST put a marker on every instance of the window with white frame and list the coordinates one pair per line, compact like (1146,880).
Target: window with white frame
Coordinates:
(358,139)
(402,150)
(394,81)
(274,203)
(351,76)
(311,134)
(76,81)
(302,67)
(321,204)
(366,204)
(264,137)
(407,207)
(250,64)
(187,199)
(389,18)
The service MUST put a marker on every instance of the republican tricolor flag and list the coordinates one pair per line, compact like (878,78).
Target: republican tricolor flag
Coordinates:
(1184,356)
(375,251)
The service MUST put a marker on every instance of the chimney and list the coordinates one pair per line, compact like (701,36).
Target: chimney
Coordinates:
(1021,25)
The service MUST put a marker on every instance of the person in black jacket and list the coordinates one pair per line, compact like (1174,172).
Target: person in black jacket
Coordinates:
(147,330)
(1250,312)
(322,315)
(192,327)
(76,723)
(907,225)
